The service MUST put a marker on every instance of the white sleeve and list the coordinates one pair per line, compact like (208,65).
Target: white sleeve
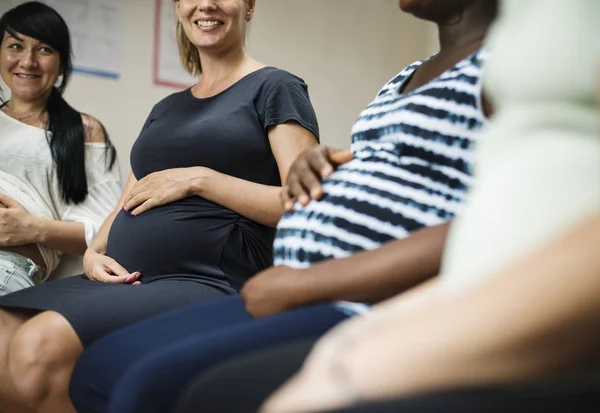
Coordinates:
(104,191)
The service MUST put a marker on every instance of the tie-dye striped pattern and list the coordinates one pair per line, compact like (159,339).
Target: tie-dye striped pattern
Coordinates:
(413,154)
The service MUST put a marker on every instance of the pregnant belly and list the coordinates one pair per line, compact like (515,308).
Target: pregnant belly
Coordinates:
(186,237)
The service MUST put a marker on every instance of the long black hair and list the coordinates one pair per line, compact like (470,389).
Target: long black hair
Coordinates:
(66,132)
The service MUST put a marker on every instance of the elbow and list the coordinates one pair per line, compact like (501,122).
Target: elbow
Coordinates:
(272,219)
(81,249)
(272,222)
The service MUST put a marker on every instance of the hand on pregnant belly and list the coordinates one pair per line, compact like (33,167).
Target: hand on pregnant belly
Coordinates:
(164,187)
(308,170)
(99,267)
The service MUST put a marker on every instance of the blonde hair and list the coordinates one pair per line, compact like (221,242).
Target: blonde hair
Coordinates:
(188,52)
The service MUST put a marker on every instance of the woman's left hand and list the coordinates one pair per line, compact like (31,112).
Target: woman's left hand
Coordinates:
(17,225)
(164,187)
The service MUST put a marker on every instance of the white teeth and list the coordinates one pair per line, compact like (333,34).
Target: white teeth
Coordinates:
(26,76)
(203,23)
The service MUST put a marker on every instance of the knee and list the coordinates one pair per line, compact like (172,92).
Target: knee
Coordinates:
(41,356)
(30,361)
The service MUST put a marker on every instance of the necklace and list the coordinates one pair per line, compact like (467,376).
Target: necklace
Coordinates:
(21,116)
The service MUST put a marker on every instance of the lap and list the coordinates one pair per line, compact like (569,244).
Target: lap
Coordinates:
(211,333)
(251,378)
(96,309)
(16,272)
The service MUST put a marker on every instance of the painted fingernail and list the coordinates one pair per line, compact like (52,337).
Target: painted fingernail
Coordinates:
(129,280)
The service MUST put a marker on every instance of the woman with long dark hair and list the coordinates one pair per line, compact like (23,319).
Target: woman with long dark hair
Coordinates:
(58,179)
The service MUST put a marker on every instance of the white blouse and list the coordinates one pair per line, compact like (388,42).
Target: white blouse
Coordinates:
(26,157)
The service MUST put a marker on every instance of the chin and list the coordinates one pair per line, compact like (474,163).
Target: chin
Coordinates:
(26,95)
(209,46)
(407,6)
(418,8)
(207,42)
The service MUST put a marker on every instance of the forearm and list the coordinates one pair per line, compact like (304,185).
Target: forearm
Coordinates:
(101,239)
(63,236)
(257,202)
(539,317)
(372,276)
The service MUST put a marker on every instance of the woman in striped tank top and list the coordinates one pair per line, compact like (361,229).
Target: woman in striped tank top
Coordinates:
(412,154)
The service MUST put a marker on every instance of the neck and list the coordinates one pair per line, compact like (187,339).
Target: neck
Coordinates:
(469,29)
(16,105)
(219,66)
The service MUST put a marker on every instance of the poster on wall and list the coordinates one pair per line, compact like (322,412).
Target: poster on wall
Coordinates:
(167,69)
(96,31)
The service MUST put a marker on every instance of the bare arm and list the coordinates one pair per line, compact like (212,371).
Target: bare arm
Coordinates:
(61,235)
(372,276)
(368,276)
(101,238)
(97,265)
(257,202)
(64,235)
(20,228)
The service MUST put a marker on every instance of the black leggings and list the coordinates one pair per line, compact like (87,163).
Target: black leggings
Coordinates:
(241,384)
(255,376)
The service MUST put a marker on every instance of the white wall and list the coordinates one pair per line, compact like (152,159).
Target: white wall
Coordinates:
(344,49)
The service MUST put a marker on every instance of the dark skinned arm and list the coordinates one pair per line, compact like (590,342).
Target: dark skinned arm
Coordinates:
(368,276)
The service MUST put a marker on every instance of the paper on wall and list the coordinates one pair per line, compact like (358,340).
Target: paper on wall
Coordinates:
(167,68)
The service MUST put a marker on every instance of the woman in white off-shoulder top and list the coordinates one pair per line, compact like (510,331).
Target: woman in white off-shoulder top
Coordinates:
(58,178)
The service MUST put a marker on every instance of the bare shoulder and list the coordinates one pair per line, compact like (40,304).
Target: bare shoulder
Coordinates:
(94,131)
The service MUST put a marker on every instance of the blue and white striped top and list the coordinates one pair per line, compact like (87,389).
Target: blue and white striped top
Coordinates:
(413,155)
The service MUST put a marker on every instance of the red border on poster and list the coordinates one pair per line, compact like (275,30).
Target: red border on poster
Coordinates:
(156,51)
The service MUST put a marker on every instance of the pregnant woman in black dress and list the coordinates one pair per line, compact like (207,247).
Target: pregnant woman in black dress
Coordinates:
(196,218)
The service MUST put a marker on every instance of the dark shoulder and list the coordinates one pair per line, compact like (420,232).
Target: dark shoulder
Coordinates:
(269,78)
(269,82)
(93,129)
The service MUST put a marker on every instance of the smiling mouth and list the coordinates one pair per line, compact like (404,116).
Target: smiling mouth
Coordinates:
(27,76)
(208,23)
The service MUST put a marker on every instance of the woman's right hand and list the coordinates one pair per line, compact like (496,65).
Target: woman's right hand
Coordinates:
(308,170)
(99,267)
